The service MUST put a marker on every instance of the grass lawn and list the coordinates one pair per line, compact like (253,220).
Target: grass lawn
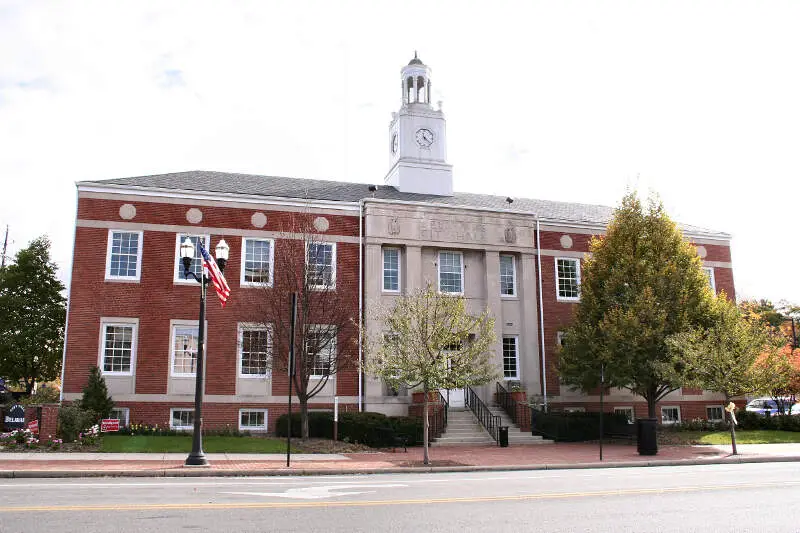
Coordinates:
(759,436)
(183,443)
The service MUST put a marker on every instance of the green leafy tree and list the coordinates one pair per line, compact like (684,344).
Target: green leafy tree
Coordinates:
(32,317)
(729,356)
(429,340)
(642,284)
(95,395)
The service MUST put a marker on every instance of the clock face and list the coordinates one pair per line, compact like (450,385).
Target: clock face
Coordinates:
(395,144)
(424,137)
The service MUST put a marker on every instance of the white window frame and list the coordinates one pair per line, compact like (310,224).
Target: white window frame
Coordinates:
(332,286)
(722,412)
(179,237)
(117,321)
(439,271)
(383,270)
(314,328)
(259,429)
(178,324)
(172,418)
(711,280)
(577,279)
(518,374)
(132,279)
(670,423)
(125,420)
(513,276)
(626,409)
(246,326)
(242,281)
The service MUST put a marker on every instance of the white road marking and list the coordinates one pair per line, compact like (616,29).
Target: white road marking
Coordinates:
(318,492)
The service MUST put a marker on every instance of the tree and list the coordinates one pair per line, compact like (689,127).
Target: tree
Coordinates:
(95,395)
(326,329)
(642,283)
(32,317)
(429,340)
(724,357)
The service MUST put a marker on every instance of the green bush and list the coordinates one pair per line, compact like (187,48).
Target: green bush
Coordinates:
(579,427)
(72,420)
(320,425)
(751,420)
(372,429)
(409,426)
(95,396)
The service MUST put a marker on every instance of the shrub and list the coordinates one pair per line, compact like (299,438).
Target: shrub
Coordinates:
(579,427)
(95,396)
(371,429)
(72,420)
(43,395)
(320,425)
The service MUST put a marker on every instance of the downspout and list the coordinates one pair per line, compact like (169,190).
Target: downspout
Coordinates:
(360,301)
(69,300)
(541,312)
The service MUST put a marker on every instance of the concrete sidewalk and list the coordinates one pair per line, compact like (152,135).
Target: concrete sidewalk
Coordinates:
(443,459)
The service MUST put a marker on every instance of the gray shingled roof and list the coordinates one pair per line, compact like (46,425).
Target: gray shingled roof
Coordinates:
(342,191)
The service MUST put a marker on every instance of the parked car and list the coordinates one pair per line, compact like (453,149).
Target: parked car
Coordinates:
(762,406)
(795,409)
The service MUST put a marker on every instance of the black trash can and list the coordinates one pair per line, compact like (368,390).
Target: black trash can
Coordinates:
(503,436)
(646,436)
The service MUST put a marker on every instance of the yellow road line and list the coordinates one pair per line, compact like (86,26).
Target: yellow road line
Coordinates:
(476,499)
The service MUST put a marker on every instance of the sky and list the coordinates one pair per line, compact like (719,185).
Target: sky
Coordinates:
(697,101)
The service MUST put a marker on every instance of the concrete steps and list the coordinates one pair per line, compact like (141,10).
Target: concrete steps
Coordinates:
(464,430)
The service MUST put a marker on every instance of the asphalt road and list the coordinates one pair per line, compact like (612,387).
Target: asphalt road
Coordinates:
(726,498)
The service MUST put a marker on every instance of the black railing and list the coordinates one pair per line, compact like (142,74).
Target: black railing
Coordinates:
(520,412)
(482,413)
(437,421)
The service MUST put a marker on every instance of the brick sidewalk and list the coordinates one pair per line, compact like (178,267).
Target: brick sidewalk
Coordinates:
(442,458)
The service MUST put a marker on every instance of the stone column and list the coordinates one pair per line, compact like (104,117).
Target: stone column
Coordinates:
(493,302)
(413,269)
(414,93)
(529,331)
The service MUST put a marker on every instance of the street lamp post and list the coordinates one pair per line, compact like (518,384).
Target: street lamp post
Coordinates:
(196,456)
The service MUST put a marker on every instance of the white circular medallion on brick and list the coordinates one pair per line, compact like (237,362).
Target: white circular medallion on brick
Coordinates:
(566,241)
(259,220)
(321,224)
(194,215)
(702,252)
(127,211)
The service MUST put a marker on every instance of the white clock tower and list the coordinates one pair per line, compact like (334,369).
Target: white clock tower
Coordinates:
(417,134)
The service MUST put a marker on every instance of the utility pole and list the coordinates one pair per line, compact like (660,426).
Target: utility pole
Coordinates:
(5,247)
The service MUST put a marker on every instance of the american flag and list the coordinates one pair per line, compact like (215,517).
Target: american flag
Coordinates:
(214,273)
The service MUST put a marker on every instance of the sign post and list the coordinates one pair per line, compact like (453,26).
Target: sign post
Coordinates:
(291,371)
(731,409)
(335,420)
(109,424)
(14,418)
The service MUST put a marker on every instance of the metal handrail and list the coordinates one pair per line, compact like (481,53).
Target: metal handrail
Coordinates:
(443,401)
(517,411)
(489,421)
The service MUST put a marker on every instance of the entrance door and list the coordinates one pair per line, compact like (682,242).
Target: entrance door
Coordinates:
(455,398)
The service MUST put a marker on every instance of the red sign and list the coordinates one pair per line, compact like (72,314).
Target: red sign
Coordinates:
(109,424)
(33,425)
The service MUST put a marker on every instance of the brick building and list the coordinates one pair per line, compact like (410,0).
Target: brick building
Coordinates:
(132,314)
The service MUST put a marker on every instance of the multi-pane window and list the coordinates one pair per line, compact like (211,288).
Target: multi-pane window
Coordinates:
(568,278)
(124,255)
(320,344)
(118,346)
(197,261)
(627,411)
(670,415)
(252,420)
(714,413)
(255,351)
(321,265)
(451,272)
(184,350)
(391,269)
(510,358)
(508,282)
(709,272)
(181,419)
(257,255)
(122,414)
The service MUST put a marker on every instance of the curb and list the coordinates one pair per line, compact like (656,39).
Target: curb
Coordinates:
(244,472)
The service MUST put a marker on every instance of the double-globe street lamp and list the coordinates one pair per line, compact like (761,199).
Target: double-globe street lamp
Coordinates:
(196,456)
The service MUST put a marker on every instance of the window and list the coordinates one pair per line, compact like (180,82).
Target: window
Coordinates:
(670,415)
(257,261)
(122,414)
(561,338)
(197,262)
(627,411)
(510,358)
(181,418)
(568,278)
(508,276)
(255,351)
(709,271)
(124,255)
(574,409)
(451,272)
(321,348)
(252,419)
(118,347)
(391,270)
(184,350)
(321,265)
(714,413)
